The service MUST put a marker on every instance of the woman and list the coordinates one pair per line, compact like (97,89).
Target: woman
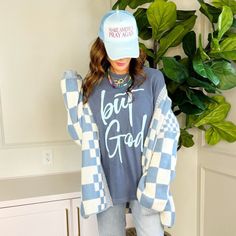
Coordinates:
(121,116)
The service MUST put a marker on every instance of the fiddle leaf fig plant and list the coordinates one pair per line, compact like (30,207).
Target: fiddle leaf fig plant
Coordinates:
(196,80)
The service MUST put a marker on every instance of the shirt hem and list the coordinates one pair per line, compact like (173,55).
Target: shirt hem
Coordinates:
(123,200)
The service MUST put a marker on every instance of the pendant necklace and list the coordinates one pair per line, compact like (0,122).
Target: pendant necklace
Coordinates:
(121,82)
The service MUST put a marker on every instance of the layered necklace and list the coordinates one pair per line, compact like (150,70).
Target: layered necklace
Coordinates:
(119,83)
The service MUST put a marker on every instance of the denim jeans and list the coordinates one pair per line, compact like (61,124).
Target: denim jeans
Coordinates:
(112,221)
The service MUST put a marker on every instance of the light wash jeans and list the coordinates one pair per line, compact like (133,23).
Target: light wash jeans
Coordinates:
(112,221)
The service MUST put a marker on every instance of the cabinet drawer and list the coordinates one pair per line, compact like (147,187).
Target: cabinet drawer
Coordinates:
(47,219)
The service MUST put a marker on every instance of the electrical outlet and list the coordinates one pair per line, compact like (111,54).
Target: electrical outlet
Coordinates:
(47,157)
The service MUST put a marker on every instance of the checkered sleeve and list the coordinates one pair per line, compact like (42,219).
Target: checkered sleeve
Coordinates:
(84,131)
(71,89)
(159,159)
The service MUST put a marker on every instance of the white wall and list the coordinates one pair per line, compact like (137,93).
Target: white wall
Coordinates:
(39,40)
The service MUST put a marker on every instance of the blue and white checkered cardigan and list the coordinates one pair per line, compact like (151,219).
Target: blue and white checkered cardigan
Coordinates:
(158,158)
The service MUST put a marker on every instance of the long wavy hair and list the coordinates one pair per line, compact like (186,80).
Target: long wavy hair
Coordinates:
(99,64)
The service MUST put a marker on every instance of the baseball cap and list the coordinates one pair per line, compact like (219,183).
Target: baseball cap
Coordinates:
(119,33)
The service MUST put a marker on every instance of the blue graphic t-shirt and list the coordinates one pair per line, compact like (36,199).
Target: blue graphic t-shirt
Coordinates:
(123,125)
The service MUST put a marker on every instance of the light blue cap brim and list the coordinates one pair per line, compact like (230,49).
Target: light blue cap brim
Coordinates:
(122,49)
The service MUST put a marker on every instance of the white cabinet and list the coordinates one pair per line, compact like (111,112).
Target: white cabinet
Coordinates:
(86,227)
(58,217)
(54,218)
(40,205)
(45,206)
(42,219)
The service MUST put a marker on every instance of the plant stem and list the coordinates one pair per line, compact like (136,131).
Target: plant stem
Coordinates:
(155,44)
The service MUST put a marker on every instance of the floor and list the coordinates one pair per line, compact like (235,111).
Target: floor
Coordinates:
(132,232)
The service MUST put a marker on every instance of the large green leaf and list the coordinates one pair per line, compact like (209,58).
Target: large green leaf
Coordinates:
(229,3)
(174,70)
(204,69)
(168,40)
(184,15)
(211,75)
(186,139)
(212,136)
(172,86)
(189,44)
(193,82)
(121,4)
(144,28)
(185,104)
(188,25)
(145,34)
(234,23)
(211,12)
(196,98)
(226,130)
(227,74)
(228,48)
(180,97)
(162,17)
(215,101)
(148,51)
(203,54)
(225,21)
(232,30)
(190,109)
(198,65)
(215,113)
(135,3)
